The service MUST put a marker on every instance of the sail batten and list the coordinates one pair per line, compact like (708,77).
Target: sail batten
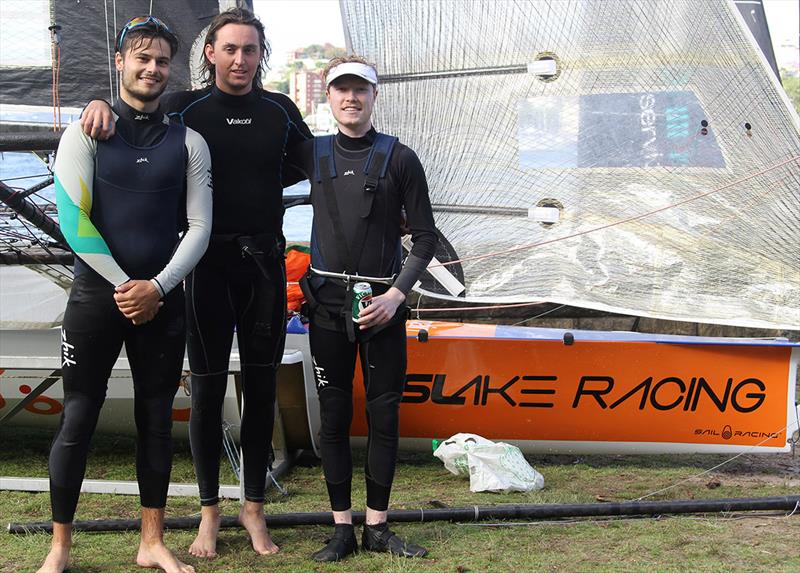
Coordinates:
(663,152)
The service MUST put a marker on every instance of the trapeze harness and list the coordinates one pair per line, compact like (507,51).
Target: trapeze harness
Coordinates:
(335,341)
(324,172)
(239,283)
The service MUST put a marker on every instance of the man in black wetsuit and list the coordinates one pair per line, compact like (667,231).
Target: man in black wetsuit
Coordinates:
(361,181)
(121,206)
(240,282)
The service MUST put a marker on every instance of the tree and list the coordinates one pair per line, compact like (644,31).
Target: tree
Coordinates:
(281,86)
(315,56)
(320,52)
(792,86)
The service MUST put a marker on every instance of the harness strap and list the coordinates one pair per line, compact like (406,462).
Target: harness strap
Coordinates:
(311,299)
(325,171)
(389,281)
(375,169)
(267,244)
(336,218)
(260,253)
(323,147)
(344,321)
(372,171)
(381,152)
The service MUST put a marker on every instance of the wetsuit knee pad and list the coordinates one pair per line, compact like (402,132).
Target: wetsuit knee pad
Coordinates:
(154,415)
(258,383)
(383,414)
(208,392)
(336,412)
(383,421)
(79,417)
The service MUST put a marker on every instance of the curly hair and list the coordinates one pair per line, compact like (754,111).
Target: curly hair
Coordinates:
(345,60)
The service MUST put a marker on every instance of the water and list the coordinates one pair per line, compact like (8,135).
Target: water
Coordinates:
(296,224)
(13,165)
(297,220)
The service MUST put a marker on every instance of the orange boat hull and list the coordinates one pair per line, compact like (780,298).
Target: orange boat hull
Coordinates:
(601,392)
(545,390)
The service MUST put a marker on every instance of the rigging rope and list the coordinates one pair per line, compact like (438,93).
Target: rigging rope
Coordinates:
(705,472)
(559,307)
(55,64)
(487,307)
(6,179)
(620,222)
(108,50)
(419,310)
(115,36)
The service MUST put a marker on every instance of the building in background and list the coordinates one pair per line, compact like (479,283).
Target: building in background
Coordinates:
(300,77)
(306,89)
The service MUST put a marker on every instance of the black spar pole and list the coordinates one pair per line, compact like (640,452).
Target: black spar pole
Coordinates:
(463,514)
(26,208)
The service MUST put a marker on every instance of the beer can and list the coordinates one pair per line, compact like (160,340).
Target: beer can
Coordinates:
(362,298)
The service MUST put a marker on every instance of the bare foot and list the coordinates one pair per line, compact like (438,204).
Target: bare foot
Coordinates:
(251,517)
(56,561)
(205,544)
(157,556)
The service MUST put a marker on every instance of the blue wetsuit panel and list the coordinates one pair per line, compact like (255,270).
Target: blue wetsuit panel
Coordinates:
(137,191)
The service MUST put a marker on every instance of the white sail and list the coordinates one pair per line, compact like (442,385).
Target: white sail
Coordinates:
(663,148)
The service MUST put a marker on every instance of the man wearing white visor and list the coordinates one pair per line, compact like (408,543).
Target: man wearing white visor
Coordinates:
(361,181)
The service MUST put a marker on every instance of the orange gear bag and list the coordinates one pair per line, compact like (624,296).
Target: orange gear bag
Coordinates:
(297,260)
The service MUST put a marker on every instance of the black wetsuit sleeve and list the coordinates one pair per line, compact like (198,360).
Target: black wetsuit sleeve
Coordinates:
(169,102)
(299,133)
(417,203)
(173,102)
(176,102)
(299,161)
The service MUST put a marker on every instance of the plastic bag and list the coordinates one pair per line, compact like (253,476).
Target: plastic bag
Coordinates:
(491,466)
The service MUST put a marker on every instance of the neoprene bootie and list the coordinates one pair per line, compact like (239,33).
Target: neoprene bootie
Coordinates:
(342,544)
(380,538)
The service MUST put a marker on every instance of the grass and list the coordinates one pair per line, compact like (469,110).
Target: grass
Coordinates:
(743,542)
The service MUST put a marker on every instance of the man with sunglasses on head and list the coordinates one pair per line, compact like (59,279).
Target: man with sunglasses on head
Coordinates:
(122,204)
(240,282)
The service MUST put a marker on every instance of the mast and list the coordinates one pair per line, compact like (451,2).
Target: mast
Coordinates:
(756,19)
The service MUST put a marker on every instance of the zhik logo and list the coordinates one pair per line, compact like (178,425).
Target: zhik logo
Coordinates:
(142,160)
(239,121)
(67,351)
(141,116)
(319,372)
(349,172)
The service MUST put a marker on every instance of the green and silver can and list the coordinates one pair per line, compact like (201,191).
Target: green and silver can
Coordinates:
(362,298)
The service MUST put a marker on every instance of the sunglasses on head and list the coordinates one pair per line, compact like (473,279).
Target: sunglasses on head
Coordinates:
(140,21)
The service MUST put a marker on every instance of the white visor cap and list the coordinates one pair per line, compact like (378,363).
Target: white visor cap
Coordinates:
(353,69)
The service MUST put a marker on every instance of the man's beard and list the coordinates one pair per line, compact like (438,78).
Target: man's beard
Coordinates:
(143,96)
